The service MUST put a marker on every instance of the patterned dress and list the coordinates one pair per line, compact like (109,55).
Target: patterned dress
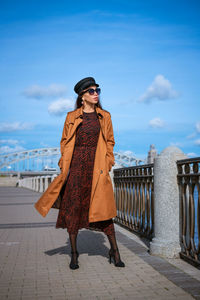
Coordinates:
(74,209)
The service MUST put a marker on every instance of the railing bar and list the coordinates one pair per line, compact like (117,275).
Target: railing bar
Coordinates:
(188,160)
(189,175)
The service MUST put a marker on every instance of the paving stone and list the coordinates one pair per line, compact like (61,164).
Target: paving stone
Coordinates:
(35,262)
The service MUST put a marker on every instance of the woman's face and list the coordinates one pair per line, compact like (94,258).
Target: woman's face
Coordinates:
(93,99)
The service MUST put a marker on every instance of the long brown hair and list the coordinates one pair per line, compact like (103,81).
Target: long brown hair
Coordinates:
(79,100)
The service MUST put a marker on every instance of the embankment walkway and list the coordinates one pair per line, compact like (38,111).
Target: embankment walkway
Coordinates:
(35,260)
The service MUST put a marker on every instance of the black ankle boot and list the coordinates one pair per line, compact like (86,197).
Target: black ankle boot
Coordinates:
(74,262)
(118,263)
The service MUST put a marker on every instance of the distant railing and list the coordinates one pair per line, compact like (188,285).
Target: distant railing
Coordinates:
(36,183)
(134,196)
(189,187)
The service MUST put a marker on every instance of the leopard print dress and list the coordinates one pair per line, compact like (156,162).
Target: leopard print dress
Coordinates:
(74,209)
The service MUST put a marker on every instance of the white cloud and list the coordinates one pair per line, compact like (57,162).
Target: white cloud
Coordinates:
(39,92)
(192,154)
(156,123)
(8,149)
(191,136)
(198,126)
(45,145)
(197,142)
(176,144)
(127,153)
(160,89)
(10,142)
(194,134)
(60,106)
(7,127)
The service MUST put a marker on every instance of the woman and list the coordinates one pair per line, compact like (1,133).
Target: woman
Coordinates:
(84,186)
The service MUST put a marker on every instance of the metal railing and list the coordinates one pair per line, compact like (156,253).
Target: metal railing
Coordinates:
(189,188)
(133,188)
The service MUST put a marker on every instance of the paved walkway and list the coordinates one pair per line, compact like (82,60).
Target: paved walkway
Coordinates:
(35,260)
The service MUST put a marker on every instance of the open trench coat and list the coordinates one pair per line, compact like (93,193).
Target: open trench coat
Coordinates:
(102,202)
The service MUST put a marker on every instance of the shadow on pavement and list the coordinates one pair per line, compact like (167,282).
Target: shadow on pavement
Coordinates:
(88,242)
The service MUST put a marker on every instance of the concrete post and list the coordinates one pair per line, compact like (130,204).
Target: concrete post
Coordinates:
(112,176)
(166,242)
(46,183)
(53,176)
(24,182)
(33,183)
(41,184)
(37,184)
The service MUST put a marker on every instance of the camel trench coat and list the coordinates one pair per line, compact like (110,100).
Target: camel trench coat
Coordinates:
(102,202)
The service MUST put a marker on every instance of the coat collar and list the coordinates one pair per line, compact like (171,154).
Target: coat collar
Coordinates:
(78,116)
(79,112)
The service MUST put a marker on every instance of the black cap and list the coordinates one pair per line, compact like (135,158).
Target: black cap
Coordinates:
(84,83)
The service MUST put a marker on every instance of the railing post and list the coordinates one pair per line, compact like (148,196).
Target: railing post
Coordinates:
(112,177)
(41,184)
(166,242)
(53,176)
(36,183)
(45,183)
(33,186)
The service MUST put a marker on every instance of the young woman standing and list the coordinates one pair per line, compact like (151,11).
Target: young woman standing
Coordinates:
(86,158)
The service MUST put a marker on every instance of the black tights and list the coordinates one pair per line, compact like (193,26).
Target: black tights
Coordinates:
(73,238)
(111,238)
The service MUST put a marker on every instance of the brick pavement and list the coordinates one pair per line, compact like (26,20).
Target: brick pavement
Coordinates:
(35,260)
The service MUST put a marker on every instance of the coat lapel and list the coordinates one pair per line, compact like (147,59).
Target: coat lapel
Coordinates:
(101,120)
(77,118)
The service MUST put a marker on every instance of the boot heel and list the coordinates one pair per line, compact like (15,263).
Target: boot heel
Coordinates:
(74,264)
(118,263)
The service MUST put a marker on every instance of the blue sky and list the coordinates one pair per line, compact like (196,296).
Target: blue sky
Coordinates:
(144,54)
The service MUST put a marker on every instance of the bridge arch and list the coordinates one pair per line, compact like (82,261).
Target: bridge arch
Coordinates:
(52,154)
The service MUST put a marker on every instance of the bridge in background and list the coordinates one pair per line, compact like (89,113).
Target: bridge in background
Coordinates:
(39,159)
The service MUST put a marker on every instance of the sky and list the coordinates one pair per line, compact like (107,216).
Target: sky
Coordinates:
(145,55)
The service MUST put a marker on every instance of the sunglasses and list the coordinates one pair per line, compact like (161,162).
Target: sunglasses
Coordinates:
(92,91)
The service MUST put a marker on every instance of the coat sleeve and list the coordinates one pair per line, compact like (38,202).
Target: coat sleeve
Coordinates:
(110,144)
(63,140)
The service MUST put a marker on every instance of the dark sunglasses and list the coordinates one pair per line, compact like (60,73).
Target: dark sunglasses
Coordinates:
(92,91)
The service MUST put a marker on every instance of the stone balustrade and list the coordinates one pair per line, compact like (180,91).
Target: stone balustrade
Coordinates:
(161,201)
(133,188)
(36,183)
